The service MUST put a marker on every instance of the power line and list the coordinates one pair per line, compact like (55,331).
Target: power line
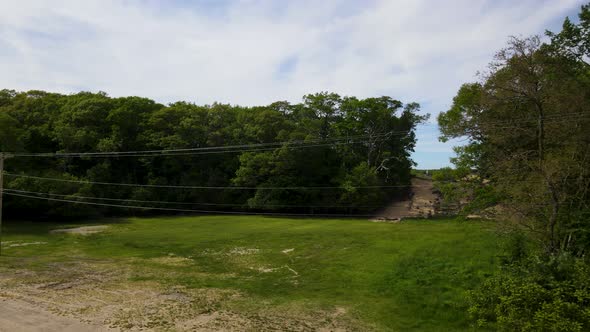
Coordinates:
(570,115)
(555,118)
(224,187)
(202,187)
(73,196)
(188,210)
(214,152)
(225,148)
(239,187)
(547,123)
(275,145)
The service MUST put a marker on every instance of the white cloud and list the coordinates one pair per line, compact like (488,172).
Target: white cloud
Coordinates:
(413,50)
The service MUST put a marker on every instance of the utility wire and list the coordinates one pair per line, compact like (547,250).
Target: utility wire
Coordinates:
(233,148)
(551,119)
(239,187)
(200,187)
(556,118)
(289,147)
(187,210)
(531,117)
(548,122)
(73,196)
(223,187)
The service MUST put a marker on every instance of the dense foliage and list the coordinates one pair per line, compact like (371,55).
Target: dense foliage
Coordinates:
(535,293)
(527,123)
(326,141)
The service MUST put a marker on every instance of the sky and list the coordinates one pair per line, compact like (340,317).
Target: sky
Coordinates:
(254,52)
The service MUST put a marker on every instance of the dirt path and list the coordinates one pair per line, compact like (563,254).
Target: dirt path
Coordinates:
(422,203)
(98,296)
(19,315)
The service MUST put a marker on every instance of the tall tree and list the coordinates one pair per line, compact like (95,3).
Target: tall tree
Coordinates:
(526,123)
(326,141)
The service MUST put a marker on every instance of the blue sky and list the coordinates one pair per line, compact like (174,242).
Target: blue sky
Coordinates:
(254,52)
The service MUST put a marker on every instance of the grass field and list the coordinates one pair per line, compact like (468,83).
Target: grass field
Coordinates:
(259,273)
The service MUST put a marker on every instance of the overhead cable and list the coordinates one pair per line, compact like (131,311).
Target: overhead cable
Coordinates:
(201,187)
(187,210)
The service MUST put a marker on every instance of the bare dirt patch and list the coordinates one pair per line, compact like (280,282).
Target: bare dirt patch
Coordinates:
(98,296)
(20,315)
(244,251)
(422,204)
(85,230)
(275,269)
(237,251)
(12,244)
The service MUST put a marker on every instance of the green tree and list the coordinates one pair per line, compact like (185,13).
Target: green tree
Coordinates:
(324,141)
(526,123)
(573,41)
(10,133)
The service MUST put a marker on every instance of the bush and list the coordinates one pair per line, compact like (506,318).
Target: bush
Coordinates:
(517,248)
(536,295)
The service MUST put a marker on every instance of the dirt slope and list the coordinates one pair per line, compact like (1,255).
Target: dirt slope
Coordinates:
(421,204)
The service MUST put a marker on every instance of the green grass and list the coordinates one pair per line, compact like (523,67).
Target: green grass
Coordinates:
(401,277)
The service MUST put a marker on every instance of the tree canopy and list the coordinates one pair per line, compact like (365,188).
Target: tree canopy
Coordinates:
(279,152)
(527,123)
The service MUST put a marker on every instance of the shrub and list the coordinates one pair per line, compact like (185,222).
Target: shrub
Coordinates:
(551,294)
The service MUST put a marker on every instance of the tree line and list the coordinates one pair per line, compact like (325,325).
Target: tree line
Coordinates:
(356,150)
(527,121)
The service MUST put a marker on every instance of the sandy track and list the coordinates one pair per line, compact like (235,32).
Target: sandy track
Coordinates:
(18,315)
(98,296)
(422,203)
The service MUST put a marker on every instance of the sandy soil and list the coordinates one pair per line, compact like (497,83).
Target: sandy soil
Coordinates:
(422,203)
(97,296)
(19,315)
(82,230)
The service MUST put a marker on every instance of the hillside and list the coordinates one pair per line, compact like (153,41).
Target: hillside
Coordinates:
(422,203)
